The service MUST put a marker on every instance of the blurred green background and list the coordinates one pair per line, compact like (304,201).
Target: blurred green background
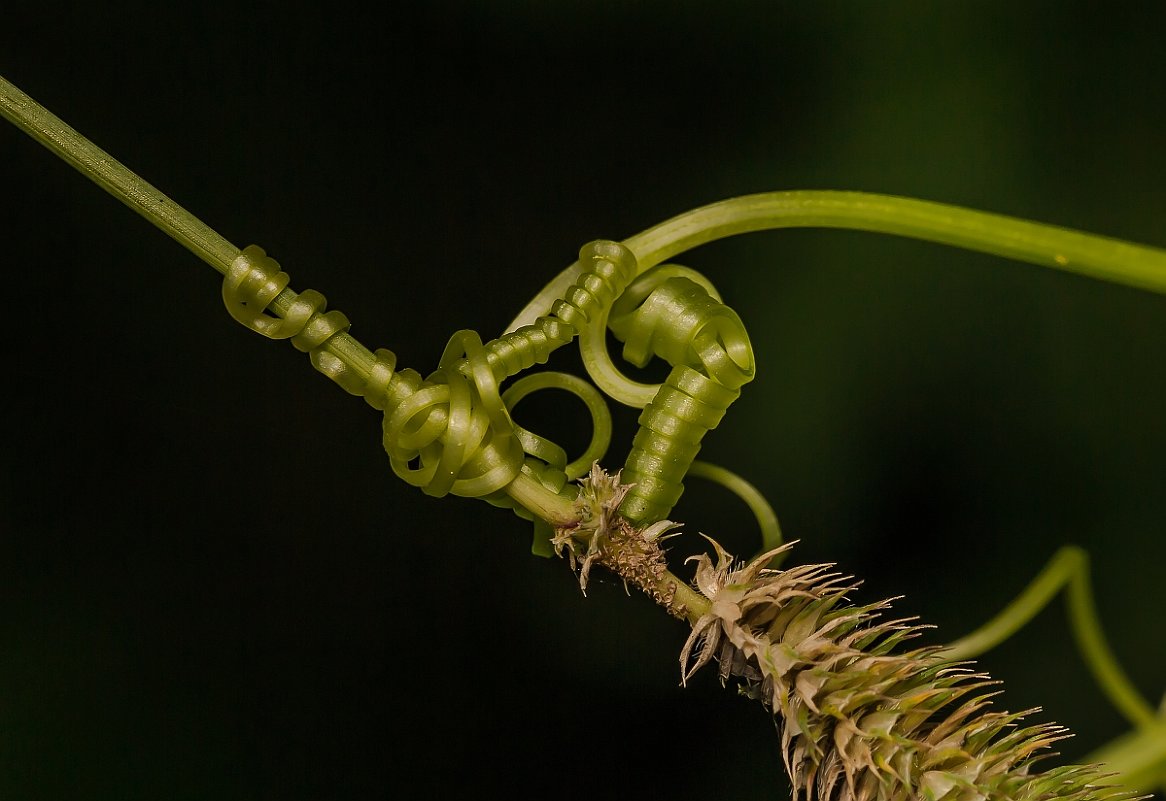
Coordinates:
(213,587)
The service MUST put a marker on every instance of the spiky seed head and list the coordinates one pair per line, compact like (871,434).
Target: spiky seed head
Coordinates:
(861,721)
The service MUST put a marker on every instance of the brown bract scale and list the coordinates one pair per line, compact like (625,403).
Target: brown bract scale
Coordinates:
(602,536)
(862,719)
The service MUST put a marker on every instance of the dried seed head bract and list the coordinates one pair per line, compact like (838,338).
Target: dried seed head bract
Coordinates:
(860,718)
(602,536)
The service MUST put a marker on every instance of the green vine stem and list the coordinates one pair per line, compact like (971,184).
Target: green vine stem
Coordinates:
(1138,757)
(146,199)
(115,178)
(1091,255)
(452,433)
(1069,568)
(1086,254)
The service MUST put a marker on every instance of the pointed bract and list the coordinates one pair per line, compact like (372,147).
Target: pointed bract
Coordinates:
(860,722)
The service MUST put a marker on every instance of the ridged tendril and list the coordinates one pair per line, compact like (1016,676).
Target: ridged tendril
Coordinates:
(673,313)
(608,267)
(451,431)
(253,281)
(448,433)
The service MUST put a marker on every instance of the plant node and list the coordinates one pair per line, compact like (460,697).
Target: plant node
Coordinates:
(603,536)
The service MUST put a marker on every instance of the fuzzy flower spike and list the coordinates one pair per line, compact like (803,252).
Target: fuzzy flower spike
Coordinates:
(859,722)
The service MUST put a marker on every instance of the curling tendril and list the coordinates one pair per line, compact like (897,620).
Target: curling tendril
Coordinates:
(451,432)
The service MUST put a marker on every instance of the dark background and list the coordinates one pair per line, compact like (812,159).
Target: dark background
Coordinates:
(213,587)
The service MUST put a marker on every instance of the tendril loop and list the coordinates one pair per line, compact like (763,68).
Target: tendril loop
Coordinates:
(454,434)
(608,267)
(254,281)
(546,450)
(451,432)
(251,283)
(672,426)
(674,313)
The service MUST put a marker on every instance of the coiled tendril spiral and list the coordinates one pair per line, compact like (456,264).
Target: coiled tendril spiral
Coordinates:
(666,313)
(451,432)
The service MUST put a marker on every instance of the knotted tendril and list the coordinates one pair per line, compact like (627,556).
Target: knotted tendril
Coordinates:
(251,284)
(451,432)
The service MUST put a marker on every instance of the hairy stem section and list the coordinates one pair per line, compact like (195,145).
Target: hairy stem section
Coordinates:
(599,535)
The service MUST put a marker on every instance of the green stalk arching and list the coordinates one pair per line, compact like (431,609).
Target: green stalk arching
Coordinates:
(997,234)
(1069,568)
(1091,255)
